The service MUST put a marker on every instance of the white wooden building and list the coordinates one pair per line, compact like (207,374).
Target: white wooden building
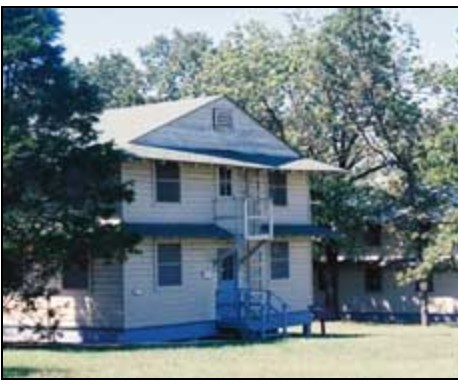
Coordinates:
(223,208)
(368,288)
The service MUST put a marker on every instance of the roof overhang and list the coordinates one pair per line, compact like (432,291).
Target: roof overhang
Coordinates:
(178,230)
(309,165)
(156,153)
(295,230)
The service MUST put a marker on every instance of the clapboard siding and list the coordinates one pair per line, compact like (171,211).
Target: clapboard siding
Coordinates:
(195,131)
(297,211)
(393,298)
(147,304)
(199,192)
(297,290)
(107,294)
(197,195)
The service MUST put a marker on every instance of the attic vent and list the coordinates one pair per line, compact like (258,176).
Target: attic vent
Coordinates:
(222,119)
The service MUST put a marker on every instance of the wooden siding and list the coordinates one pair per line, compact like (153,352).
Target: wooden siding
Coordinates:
(199,196)
(107,294)
(101,305)
(297,290)
(393,298)
(195,131)
(147,304)
(298,208)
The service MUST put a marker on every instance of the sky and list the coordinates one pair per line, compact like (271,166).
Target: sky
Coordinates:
(92,31)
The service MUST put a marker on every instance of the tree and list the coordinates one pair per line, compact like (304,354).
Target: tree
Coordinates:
(120,82)
(336,105)
(439,168)
(171,64)
(417,148)
(250,68)
(60,187)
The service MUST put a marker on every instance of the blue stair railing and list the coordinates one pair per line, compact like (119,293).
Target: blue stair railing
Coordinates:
(256,313)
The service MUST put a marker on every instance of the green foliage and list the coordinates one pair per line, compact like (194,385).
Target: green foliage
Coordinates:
(249,67)
(120,82)
(59,185)
(171,64)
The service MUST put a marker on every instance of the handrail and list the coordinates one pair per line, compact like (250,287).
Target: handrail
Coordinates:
(251,307)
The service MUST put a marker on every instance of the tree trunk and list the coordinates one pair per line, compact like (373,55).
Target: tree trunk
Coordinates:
(332,282)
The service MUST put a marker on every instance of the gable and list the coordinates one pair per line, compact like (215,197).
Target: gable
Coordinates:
(194,132)
(123,125)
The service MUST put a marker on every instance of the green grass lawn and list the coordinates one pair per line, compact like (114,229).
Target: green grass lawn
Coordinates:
(351,350)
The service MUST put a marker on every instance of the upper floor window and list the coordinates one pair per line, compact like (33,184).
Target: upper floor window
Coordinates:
(373,235)
(222,119)
(278,188)
(373,279)
(279,260)
(169,264)
(168,182)
(224,181)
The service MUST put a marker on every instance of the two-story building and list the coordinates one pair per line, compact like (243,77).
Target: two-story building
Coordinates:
(223,208)
(369,289)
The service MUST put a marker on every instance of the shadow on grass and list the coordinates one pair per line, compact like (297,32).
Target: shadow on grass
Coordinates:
(329,336)
(10,372)
(195,344)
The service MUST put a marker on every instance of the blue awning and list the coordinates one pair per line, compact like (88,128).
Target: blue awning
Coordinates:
(284,230)
(179,230)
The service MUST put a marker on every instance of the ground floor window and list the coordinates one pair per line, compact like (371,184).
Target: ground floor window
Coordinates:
(169,264)
(373,279)
(279,260)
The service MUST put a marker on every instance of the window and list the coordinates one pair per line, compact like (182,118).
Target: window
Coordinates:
(222,119)
(279,260)
(373,279)
(225,181)
(373,235)
(169,264)
(168,182)
(278,188)
(75,275)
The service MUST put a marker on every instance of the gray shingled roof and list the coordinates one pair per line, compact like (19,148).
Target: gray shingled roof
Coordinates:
(123,125)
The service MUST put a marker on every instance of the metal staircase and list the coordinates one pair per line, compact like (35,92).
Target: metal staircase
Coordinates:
(255,314)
